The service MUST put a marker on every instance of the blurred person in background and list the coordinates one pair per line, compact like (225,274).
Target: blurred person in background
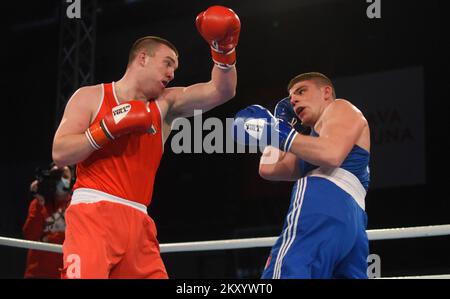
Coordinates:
(46,220)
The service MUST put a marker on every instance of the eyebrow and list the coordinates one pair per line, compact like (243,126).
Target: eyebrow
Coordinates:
(171,59)
(299,87)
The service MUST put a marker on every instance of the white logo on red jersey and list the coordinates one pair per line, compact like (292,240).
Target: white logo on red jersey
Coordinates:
(120,112)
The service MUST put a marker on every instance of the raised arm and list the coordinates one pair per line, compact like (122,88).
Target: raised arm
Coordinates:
(220,27)
(203,96)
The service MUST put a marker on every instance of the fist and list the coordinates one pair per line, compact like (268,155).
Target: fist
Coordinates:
(257,123)
(129,117)
(220,27)
(285,111)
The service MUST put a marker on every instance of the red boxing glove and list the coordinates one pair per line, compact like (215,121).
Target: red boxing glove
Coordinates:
(220,27)
(132,116)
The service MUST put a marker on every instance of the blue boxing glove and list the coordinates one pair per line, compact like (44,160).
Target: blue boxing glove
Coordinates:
(285,111)
(256,123)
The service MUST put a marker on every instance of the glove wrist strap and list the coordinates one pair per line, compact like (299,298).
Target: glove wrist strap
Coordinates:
(224,60)
(98,135)
(289,140)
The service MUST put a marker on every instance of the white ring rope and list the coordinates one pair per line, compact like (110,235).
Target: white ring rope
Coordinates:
(30,244)
(375,234)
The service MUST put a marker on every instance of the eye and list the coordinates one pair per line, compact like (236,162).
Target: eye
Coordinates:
(168,63)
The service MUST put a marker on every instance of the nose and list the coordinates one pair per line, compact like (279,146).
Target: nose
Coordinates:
(170,76)
(293,100)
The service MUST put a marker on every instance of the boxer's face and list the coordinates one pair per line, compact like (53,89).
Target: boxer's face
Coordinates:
(307,98)
(159,70)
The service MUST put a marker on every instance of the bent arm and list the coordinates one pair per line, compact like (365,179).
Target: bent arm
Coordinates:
(276,165)
(204,96)
(70,144)
(340,131)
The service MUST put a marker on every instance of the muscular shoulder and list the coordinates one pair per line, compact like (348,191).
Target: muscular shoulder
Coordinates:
(88,95)
(167,99)
(86,100)
(343,112)
(344,107)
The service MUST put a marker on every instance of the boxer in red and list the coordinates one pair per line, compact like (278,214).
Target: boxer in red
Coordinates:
(115,133)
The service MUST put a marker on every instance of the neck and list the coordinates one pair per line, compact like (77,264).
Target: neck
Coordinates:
(127,89)
(317,124)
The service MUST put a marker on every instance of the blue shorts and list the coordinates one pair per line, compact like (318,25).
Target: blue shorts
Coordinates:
(324,235)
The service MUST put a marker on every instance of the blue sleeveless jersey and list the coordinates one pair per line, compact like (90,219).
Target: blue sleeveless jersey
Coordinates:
(357,162)
(324,233)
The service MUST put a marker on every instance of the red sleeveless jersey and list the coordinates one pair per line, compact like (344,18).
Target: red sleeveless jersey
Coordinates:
(125,167)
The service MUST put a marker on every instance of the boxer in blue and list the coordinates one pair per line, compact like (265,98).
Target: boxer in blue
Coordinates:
(324,234)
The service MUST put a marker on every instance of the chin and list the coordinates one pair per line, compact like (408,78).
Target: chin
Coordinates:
(305,123)
(160,92)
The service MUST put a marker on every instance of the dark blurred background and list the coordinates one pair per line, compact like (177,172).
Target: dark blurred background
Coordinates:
(394,68)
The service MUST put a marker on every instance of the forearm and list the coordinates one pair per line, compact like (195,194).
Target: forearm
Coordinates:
(204,96)
(223,83)
(71,149)
(316,150)
(276,165)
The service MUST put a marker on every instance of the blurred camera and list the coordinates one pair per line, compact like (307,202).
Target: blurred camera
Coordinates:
(50,182)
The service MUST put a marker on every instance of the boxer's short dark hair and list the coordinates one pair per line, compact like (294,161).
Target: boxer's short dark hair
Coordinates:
(150,44)
(317,77)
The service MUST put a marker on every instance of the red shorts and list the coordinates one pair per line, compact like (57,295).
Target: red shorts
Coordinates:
(110,240)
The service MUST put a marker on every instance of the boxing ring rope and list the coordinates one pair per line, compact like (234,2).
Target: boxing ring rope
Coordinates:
(374,234)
